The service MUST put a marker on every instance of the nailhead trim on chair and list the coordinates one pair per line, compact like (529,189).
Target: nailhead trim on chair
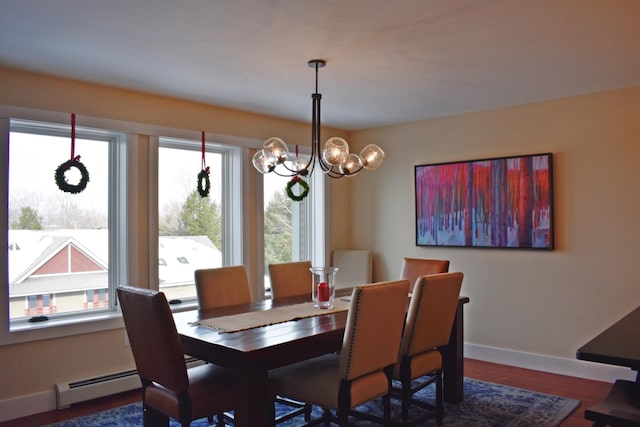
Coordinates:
(358,296)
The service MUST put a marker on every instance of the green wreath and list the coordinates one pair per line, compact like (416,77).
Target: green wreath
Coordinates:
(305,188)
(61,179)
(204,176)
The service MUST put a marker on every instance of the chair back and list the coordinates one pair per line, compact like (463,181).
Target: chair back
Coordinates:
(354,267)
(374,327)
(290,279)
(431,313)
(223,286)
(412,268)
(154,339)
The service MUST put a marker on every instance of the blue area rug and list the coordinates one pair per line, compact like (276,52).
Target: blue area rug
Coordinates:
(485,404)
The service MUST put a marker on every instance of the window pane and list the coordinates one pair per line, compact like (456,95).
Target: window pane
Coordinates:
(284,225)
(190,226)
(58,242)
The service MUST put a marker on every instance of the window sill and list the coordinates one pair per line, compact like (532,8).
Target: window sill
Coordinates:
(68,326)
(61,327)
(188,305)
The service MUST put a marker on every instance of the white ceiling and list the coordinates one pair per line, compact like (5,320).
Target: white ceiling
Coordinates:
(387,61)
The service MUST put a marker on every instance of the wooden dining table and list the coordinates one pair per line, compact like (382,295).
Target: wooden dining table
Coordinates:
(251,353)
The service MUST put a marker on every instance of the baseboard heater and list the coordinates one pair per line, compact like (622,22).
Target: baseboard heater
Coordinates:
(106,385)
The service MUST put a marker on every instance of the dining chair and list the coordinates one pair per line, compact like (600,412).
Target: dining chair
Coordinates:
(169,389)
(412,268)
(428,324)
(362,370)
(222,286)
(290,279)
(355,267)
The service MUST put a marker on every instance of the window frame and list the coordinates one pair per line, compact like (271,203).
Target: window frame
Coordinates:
(63,324)
(231,206)
(315,214)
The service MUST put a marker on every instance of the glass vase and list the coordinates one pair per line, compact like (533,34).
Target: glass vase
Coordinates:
(323,288)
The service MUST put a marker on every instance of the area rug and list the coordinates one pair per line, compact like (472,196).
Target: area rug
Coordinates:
(485,405)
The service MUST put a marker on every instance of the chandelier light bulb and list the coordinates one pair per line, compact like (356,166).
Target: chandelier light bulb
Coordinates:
(335,151)
(275,150)
(372,157)
(297,163)
(261,163)
(352,164)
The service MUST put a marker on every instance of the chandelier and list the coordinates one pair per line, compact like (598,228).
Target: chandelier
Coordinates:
(334,159)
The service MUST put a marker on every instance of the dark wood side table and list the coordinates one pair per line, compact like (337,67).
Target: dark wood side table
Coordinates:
(618,345)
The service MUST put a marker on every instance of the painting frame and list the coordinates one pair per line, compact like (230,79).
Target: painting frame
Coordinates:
(499,202)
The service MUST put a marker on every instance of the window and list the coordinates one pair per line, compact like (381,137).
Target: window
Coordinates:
(290,226)
(191,227)
(62,248)
(66,253)
(285,239)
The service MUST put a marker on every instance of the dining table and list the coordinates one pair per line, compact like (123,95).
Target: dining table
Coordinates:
(251,351)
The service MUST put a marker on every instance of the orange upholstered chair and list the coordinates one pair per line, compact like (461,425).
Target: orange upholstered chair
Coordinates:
(412,268)
(428,326)
(290,279)
(223,286)
(169,389)
(361,371)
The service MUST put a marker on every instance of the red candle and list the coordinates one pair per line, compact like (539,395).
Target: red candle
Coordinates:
(323,292)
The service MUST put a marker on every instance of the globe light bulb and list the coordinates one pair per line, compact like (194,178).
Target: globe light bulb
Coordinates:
(297,163)
(261,163)
(352,164)
(275,150)
(335,151)
(372,157)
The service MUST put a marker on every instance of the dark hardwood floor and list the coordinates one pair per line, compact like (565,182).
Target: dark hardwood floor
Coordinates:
(587,391)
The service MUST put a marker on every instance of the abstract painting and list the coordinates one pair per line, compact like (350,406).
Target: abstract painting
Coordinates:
(504,202)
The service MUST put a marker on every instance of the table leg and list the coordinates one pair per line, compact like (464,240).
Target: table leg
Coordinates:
(252,398)
(453,360)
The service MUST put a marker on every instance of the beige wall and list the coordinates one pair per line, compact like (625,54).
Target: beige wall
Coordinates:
(540,302)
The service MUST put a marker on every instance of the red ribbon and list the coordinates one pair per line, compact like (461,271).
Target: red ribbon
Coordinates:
(73,138)
(204,164)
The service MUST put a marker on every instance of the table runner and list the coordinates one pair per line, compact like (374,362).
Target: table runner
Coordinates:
(256,319)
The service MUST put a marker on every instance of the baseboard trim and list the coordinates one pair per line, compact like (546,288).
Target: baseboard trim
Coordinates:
(552,364)
(23,406)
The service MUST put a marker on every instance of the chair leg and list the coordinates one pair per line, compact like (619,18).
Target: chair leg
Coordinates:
(343,419)
(153,418)
(406,401)
(386,401)
(439,404)
(219,420)
(307,412)
(271,413)
(327,416)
